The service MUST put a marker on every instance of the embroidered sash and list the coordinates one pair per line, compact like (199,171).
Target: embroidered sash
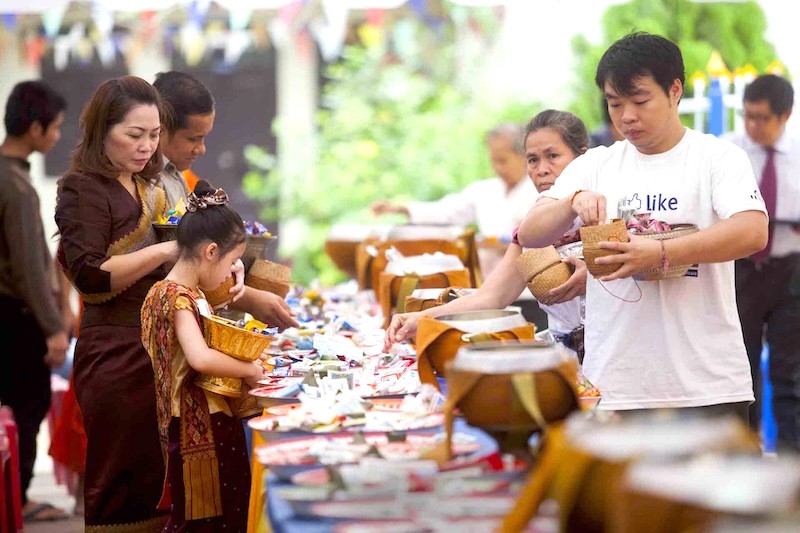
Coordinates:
(197,447)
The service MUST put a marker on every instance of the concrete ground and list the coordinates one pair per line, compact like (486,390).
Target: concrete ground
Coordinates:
(44,489)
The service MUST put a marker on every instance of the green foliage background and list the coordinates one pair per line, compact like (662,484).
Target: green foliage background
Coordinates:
(736,30)
(404,112)
(401,120)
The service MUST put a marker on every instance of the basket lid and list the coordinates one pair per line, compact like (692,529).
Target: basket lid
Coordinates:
(507,357)
(660,433)
(426,294)
(347,232)
(534,261)
(491,321)
(413,232)
(727,483)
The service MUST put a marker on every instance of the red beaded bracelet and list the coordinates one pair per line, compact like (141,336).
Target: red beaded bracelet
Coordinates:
(572,198)
(664,260)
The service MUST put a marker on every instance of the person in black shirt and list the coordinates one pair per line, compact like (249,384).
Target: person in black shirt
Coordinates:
(32,326)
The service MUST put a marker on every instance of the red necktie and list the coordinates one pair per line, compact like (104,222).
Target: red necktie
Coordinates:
(769,192)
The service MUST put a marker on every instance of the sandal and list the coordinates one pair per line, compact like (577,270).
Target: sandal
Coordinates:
(44,512)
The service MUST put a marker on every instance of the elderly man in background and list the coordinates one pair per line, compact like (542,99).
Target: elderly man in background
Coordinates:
(496,205)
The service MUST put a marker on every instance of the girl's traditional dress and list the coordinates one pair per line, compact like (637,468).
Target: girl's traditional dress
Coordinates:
(208,470)
(97,219)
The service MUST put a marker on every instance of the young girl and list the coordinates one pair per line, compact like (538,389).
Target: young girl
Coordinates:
(208,473)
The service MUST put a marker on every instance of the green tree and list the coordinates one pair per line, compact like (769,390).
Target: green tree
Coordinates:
(399,122)
(736,30)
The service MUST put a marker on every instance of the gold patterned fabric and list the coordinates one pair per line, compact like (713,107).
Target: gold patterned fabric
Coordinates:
(154,525)
(197,447)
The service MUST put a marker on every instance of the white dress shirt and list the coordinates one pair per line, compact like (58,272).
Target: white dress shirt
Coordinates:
(489,204)
(785,240)
(173,183)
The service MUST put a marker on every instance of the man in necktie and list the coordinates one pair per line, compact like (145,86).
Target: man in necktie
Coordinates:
(768,283)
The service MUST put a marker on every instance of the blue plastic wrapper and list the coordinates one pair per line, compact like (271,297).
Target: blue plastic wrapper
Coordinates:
(255,228)
(305,343)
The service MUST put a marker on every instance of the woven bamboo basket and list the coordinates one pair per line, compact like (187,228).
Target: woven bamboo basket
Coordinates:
(674,271)
(268,276)
(267,269)
(422,299)
(256,248)
(225,336)
(231,387)
(615,231)
(270,285)
(220,296)
(166,232)
(343,255)
(543,270)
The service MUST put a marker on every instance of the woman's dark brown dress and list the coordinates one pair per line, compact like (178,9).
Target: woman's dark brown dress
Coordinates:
(98,218)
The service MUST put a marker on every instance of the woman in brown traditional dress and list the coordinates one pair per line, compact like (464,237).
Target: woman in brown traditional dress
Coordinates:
(106,206)
(208,472)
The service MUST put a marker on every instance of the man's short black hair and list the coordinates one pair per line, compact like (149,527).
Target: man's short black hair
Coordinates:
(29,102)
(183,96)
(640,54)
(774,89)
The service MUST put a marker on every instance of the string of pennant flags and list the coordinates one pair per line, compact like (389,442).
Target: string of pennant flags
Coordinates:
(79,31)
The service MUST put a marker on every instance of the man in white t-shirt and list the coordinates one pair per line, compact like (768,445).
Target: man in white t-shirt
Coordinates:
(496,205)
(674,342)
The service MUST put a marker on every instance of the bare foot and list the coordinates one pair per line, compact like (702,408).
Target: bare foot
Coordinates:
(42,512)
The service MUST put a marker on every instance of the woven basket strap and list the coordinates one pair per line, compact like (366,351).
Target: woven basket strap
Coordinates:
(539,481)
(570,479)
(481,337)
(458,386)
(444,296)
(468,240)
(525,386)
(518,333)
(429,331)
(425,371)
(408,285)
(364,266)
(569,373)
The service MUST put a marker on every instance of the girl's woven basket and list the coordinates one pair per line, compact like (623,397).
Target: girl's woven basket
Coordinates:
(268,276)
(543,270)
(166,232)
(674,271)
(231,387)
(225,336)
(256,248)
(267,269)
(615,231)
(220,296)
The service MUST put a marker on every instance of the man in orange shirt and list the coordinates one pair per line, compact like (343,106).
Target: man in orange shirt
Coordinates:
(190,112)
